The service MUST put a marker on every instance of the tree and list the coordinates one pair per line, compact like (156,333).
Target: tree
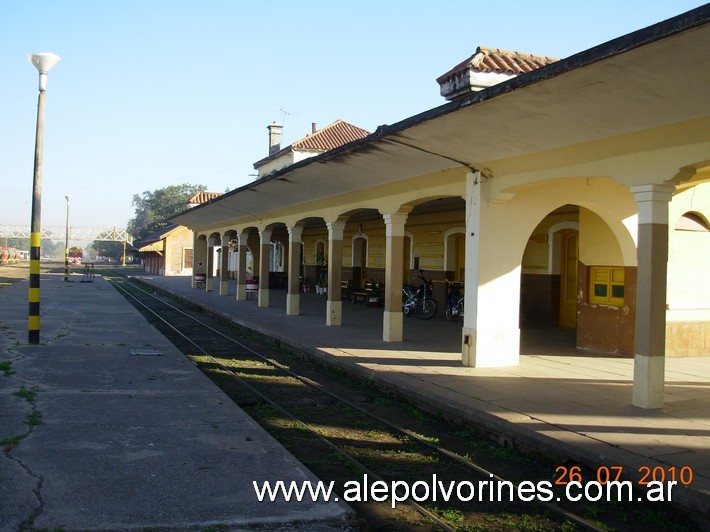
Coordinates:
(18,243)
(51,249)
(152,208)
(106,248)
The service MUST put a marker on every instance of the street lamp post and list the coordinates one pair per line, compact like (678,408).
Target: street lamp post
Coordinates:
(66,244)
(43,62)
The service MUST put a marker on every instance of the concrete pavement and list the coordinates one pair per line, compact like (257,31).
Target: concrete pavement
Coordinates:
(106,426)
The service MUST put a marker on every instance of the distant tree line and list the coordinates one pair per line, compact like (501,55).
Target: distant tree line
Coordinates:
(47,246)
(153,208)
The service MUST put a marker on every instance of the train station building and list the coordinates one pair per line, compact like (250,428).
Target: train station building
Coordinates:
(567,193)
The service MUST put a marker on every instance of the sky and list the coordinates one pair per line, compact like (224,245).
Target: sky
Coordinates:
(152,93)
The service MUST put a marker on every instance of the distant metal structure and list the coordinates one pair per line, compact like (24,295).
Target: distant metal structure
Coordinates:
(59,232)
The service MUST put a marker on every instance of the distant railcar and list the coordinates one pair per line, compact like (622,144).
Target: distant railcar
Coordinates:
(9,255)
(75,256)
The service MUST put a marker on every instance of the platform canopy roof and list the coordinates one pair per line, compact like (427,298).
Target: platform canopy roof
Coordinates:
(654,77)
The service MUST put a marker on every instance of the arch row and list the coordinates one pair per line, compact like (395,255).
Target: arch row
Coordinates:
(558,253)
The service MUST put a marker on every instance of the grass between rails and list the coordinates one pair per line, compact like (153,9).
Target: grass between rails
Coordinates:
(355,432)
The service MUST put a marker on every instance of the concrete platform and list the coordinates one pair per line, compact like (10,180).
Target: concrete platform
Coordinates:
(559,399)
(132,435)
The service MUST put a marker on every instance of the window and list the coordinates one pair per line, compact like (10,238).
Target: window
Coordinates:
(606,285)
(187,258)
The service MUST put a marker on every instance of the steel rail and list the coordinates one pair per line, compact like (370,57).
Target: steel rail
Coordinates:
(308,382)
(426,513)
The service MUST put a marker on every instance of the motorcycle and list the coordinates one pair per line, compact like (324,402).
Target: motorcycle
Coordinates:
(420,301)
(454,305)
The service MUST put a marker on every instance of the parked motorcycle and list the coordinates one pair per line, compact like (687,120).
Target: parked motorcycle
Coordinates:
(420,301)
(454,303)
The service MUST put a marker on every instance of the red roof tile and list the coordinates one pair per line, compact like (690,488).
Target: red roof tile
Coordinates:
(336,134)
(332,136)
(495,60)
(202,197)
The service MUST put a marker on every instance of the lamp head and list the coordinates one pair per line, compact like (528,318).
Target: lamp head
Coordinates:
(43,62)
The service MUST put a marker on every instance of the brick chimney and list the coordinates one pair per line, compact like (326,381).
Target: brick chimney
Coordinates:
(274,137)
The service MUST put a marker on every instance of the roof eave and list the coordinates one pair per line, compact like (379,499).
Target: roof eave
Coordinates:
(619,45)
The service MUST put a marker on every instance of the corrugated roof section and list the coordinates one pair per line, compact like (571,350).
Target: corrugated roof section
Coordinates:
(336,134)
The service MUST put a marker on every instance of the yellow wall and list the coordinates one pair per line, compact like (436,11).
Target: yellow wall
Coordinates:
(688,315)
(180,239)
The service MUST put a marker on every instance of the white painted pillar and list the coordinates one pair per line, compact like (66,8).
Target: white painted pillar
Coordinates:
(392,319)
(293,295)
(491,328)
(334,304)
(265,247)
(242,267)
(652,254)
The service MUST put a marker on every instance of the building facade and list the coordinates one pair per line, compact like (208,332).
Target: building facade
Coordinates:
(572,194)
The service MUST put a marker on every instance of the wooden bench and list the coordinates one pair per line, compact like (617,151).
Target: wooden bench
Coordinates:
(363,294)
(345,289)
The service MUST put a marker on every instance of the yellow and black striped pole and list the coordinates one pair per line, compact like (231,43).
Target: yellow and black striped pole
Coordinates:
(43,62)
(33,322)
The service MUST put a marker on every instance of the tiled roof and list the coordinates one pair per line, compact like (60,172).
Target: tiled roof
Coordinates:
(202,197)
(485,68)
(336,134)
(332,136)
(495,60)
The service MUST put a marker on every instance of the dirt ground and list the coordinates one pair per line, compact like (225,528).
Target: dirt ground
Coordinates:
(14,273)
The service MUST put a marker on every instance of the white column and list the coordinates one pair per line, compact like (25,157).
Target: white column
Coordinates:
(265,247)
(652,254)
(334,304)
(491,330)
(392,319)
(293,295)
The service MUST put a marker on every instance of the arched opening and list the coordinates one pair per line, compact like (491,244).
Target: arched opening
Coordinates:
(214,243)
(359,259)
(549,276)
(574,278)
(321,266)
(276,256)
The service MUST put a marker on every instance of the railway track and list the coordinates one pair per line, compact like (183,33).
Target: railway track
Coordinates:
(345,430)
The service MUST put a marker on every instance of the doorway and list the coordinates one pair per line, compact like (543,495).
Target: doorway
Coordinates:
(359,262)
(569,278)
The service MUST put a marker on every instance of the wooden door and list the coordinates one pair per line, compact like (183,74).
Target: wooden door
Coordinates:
(569,279)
